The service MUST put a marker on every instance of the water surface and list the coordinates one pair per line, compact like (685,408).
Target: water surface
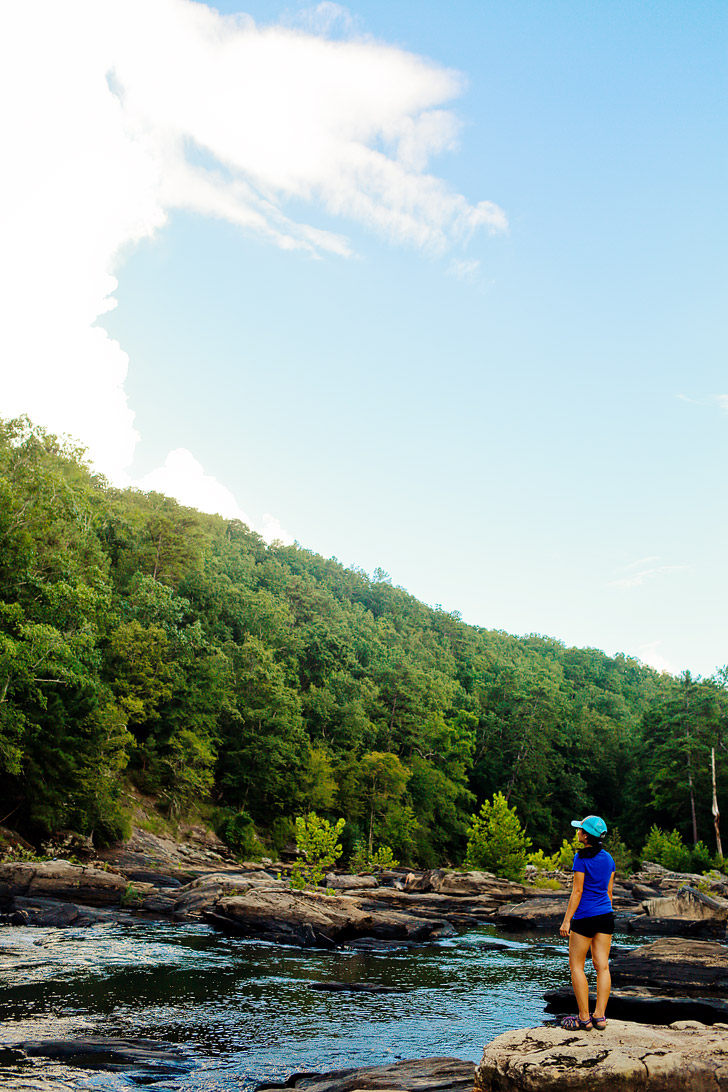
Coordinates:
(245,1011)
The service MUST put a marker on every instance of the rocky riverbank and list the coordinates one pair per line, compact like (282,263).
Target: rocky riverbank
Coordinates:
(197,880)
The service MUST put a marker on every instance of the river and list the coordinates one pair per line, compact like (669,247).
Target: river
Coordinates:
(245,1011)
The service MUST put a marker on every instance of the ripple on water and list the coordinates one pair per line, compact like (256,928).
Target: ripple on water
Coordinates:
(246,1010)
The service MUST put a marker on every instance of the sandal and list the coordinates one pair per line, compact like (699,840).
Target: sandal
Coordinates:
(575,1023)
(599,1022)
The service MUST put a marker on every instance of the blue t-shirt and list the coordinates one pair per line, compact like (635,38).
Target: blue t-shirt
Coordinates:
(597,872)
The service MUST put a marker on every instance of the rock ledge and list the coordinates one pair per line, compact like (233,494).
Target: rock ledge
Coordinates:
(684,1057)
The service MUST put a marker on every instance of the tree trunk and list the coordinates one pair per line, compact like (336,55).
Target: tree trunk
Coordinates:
(714,809)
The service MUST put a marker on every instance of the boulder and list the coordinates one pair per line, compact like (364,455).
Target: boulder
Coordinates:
(674,964)
(545,912)
(312,919)
(343,882)
(203,893)
(688,903)
(62,880)
(684,1057)
(412,1075)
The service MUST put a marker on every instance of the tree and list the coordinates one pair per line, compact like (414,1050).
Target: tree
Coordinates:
(318,845)
(497,842)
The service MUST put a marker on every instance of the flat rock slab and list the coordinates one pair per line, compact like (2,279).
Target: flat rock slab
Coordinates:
(62,880)
(684,1057)
(537,913)
(646,1006)
(703,928)
(99,1053)
(412,1075)
(314,920)
(674,964)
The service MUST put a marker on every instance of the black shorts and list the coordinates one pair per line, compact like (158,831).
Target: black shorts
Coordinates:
(589,927)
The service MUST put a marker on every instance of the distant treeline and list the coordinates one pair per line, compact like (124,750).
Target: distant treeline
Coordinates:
(146,641)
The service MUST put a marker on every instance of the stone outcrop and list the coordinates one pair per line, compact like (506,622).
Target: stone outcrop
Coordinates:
(349,882)
(684,1057)
(312,919)
(546,912)
(61,880)
(687,912)
(675,965)
(412,1075)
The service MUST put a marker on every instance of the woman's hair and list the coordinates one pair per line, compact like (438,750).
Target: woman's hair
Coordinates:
(592,847)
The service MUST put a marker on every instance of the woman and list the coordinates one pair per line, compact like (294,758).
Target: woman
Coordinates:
(589,922)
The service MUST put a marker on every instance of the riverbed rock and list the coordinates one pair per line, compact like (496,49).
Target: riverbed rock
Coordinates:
(341,881)
(675,965)
(411,1075)
(546,912)
(61,880)
(108,1053)
(645,1006)
(684,1057)
(313,919)
(688,903)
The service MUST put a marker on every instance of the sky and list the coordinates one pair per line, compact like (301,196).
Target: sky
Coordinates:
(433,287)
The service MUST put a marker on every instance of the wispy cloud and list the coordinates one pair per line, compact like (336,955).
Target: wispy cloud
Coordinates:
(722,400)
(464,269)
(650,654)
(644,570)
(120,111)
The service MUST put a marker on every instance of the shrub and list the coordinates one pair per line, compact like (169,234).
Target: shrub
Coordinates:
(318,843)
(238,831)
(362,861)
(669,850)
(561,860)
(624,858)
(496,840)
(546,883)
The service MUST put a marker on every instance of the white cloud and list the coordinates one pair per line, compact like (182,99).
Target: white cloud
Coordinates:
(183,477)
(639,572)
(722,400)
(120,111)
(650,654)
(463,269)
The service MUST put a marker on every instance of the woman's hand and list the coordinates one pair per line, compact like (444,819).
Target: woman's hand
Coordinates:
(565,928)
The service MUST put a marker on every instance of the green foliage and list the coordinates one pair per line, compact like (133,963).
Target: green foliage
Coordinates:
(497,842)
(362,860)
(625,859)
(547,883)
(318,845)
(238,831)
(668,850)
(140,639)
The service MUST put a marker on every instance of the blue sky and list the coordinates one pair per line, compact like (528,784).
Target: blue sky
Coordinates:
(527,425)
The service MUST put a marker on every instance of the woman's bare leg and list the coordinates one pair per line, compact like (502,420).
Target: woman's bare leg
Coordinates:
(578,947)
(601,943)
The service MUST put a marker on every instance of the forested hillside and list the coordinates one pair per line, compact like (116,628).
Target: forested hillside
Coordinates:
(146,641)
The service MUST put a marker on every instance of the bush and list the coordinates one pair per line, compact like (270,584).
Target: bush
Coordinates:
(238,831)
(561,860)
(362,861)
(624,858)
(496,840)
(669,850)
(318,843)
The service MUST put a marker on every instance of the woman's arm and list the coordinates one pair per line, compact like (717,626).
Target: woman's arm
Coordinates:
(609,888)
(574,900)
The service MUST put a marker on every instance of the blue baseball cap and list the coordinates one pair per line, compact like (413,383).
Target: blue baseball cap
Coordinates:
(593,825)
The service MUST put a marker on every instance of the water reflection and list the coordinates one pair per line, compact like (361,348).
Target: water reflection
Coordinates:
(247,1010)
